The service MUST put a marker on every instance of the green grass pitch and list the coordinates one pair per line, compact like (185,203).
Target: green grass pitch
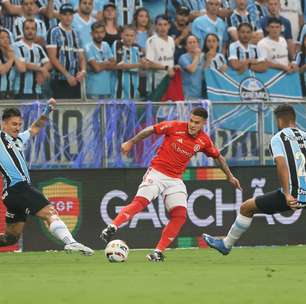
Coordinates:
(248,275)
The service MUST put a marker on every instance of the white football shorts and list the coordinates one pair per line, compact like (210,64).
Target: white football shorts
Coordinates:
(173,190)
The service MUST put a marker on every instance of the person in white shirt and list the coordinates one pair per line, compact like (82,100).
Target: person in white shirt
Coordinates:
(292,10)
(159,53)
(274,48)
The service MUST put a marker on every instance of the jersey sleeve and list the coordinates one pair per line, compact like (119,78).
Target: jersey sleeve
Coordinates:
(24,136)
(210,149)
(164,128)
(232,52)
(277,147)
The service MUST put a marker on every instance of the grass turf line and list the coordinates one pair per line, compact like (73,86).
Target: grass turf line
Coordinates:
(248,275)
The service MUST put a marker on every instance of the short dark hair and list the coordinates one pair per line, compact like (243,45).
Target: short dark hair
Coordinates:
(246,25)
(29,20)
(161,17)
(285,111)
(10,112)
(96,25)
(200,112)
(274,20)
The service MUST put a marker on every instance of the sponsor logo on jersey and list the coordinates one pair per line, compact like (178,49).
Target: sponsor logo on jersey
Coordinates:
(196,148)
(180,140)
(66,197)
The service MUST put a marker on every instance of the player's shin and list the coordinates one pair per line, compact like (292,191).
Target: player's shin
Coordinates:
(59,230)
(241,225)
(177,220)
(7,239)
(138,204)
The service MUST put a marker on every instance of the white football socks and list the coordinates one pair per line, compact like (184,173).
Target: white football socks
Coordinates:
(241,224)
(59,229)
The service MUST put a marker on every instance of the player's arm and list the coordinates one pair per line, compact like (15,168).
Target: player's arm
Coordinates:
(41,121)
(127,146)
(283,175)
(224,167)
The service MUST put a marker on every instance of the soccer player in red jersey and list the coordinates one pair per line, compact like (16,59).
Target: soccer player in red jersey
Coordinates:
(182,141)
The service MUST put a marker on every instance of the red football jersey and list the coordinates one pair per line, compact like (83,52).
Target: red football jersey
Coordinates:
(178,147)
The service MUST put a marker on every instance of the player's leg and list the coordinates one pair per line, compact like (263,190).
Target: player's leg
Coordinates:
(268,203)
(147,191)
(176,204)
(12,234)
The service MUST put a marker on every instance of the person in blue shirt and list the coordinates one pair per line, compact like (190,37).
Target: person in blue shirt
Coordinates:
(129,58)
(29,84)
(100,61)
(19,196)
(66,56)
(211,23)
(300,61)
(82,22)
(213,58)
(143,26)
(192,69)
(289,153)
(9,64)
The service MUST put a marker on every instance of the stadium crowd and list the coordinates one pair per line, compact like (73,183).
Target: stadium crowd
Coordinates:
(118,50)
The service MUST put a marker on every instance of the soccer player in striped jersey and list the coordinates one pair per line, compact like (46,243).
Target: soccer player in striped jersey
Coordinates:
(66,57)
(28,85)
(128,57)
(29,9)
(243,55)
(19,196)
(242,15)
(288,149)
(8,61)
(126,10)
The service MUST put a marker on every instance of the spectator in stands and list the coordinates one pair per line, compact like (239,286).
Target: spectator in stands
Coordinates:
(49,11)
(196,8)
(10,9)
(142,24)
(192,65)
(29,10)
(100,63)
(7,62)
(159,53)
(226,9)
(274,48)
(274,11)
(292,10)
(302,35)
(212,56)
(110,20)
(179,31)
(66,56)
(261,8)
(126,10)
(9,33)
(243,55)
(300,60)
(82,22)
(211,23)
(242,15)
(129,58)
(28,84)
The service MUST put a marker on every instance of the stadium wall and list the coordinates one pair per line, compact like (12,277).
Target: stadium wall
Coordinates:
(89,199)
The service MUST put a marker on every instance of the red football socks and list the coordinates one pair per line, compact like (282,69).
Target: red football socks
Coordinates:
(138,204)
(177,220)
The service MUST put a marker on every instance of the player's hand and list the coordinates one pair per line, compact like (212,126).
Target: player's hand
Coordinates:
(235,182)
(126,147)
(292,202)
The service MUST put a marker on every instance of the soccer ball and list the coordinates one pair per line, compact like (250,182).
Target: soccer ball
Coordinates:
(117,251)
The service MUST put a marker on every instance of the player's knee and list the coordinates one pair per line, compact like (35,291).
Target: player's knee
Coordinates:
(49,213)
(247,208)
(179,213)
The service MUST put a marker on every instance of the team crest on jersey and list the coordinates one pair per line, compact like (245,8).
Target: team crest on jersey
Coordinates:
(196,148)
(180,140)
(66,197)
